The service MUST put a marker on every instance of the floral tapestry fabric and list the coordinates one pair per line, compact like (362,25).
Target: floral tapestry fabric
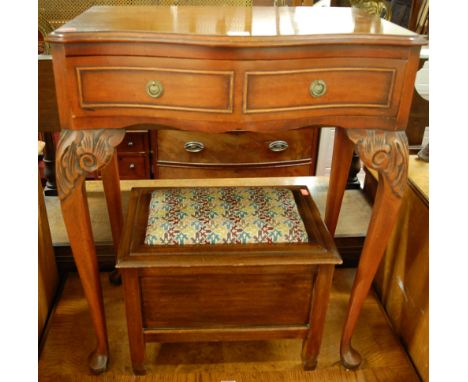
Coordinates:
(224,215)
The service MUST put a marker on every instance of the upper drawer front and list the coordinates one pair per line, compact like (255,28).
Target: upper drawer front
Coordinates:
(241,147)
(156,88)
(134,142)
(318,88)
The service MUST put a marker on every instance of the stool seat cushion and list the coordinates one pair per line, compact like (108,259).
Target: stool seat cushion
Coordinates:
(223,215)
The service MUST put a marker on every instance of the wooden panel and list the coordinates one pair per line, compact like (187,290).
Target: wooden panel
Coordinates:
(190,90)
(253,297)
(289,90)
(403,277)
(226,334)
(230,148)
(166,172)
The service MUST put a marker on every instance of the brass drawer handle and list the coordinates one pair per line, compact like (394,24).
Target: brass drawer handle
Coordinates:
(130,144)
(154,89)
(194,147)
(132,166)
(278,146)
(318,88)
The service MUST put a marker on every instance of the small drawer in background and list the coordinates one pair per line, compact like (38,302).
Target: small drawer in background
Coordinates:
(133,166)
(134,141)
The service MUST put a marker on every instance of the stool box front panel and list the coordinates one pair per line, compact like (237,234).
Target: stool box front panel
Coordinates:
(226,297)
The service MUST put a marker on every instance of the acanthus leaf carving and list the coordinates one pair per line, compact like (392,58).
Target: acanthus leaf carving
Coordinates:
(82,151)
(386,152)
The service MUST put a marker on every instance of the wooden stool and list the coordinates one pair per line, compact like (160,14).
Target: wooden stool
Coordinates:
(224,264)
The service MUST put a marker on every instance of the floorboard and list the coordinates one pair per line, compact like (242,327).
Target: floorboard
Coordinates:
(70,340)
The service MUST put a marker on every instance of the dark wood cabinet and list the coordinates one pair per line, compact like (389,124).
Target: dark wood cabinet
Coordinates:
(180,154)
(133,156)
(172,154)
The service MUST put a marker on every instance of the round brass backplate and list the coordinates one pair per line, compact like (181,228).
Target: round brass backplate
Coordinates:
(154,88)
(318,88)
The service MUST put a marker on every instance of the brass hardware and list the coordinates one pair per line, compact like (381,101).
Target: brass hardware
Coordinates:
(155,89)
(44,29)
(278,146)
(194,147)
(318,88)
(130,143)
(381,8)
(132,165)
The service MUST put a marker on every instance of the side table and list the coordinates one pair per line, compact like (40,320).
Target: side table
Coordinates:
(218,69)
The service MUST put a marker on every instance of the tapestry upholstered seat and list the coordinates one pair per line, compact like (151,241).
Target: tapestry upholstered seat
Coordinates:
(224,215)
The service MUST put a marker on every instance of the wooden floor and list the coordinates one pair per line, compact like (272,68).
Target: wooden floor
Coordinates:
(70,340)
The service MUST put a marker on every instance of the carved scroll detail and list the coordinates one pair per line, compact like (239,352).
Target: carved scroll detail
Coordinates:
(386,152)
(82,151)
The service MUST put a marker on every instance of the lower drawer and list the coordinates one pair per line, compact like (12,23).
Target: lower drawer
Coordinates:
(133,166)
(260,296)
(182,154)
(235,147)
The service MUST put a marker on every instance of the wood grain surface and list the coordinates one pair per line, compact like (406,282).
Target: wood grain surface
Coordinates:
(403,277)
(204,24)
(71,338)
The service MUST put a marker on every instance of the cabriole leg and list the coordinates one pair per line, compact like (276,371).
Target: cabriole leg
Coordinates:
(78,153)
(386,152)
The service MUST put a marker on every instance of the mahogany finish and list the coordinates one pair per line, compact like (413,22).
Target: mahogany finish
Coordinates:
(110,180)
(235,154)
(235,49)
(226,292)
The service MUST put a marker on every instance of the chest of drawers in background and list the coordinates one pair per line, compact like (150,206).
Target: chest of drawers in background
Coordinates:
(178,154)
(170,154)
(134,156)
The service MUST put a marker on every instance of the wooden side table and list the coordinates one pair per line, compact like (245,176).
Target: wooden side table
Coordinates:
(218,69)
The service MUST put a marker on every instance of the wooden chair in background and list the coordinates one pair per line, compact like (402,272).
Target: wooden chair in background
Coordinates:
(47,268)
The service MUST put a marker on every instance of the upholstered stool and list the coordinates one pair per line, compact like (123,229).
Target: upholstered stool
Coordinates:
(223,264)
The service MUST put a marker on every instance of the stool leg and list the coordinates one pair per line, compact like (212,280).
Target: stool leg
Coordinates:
(318,311)
(134,320)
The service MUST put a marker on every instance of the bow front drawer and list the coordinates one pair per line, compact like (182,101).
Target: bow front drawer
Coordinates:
(239,147)
(156,88)
(307,89)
